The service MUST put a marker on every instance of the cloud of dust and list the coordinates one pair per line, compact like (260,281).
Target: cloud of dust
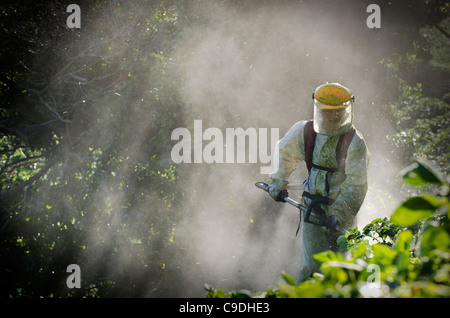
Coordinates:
(253,68)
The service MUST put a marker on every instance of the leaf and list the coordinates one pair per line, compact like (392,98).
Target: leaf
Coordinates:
(327,256)
(342,243)
(404,241)
(382,254)
(403,261)
(434,238)
(243,293)
(289,279)
(341,240)
(415,209)
(343,264)
(402,246)
(421,173)
(307,289)
(359,250)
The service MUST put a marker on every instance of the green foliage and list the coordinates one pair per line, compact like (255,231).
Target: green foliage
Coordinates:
(422,173)
(407,255)
(422,125)
(84,173)
(421,117)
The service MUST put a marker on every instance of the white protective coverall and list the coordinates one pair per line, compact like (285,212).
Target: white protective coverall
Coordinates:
(347,190)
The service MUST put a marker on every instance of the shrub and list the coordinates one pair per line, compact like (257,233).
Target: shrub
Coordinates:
(407,255)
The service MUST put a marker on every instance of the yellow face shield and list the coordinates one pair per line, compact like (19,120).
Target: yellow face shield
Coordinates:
(333,111)
(332,120)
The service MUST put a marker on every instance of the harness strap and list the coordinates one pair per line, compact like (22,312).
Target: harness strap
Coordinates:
(324,168)
(310,140)
(341,155)
(341,148)
(316,196)
(312,197)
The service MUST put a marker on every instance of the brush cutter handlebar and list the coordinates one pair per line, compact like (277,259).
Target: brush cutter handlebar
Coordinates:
(313,209)
(264,186)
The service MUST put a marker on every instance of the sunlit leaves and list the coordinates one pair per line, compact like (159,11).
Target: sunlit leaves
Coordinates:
(421,173)
(407,255)
(422,128)
(417,208)
(308,290)
(435,238)
(414,210)
(359,250)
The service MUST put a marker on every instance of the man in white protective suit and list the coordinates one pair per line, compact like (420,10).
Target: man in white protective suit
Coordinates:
(337,159)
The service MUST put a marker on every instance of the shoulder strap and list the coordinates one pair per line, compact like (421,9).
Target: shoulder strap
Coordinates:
(342,147)
(309,136)
(341,150)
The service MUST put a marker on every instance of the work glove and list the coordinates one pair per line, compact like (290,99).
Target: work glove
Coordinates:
(278,194)
(334,222)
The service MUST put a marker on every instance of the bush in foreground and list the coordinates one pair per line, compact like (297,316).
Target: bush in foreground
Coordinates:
(407,255)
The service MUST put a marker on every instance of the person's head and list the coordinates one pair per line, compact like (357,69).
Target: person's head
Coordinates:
(333,111)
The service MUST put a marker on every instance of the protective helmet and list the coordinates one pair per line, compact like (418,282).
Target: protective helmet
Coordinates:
(333,111)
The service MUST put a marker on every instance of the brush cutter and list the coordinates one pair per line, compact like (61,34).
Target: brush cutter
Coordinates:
(314,209)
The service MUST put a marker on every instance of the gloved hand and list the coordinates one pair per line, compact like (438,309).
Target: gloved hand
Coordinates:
(278,194)
(334,222)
